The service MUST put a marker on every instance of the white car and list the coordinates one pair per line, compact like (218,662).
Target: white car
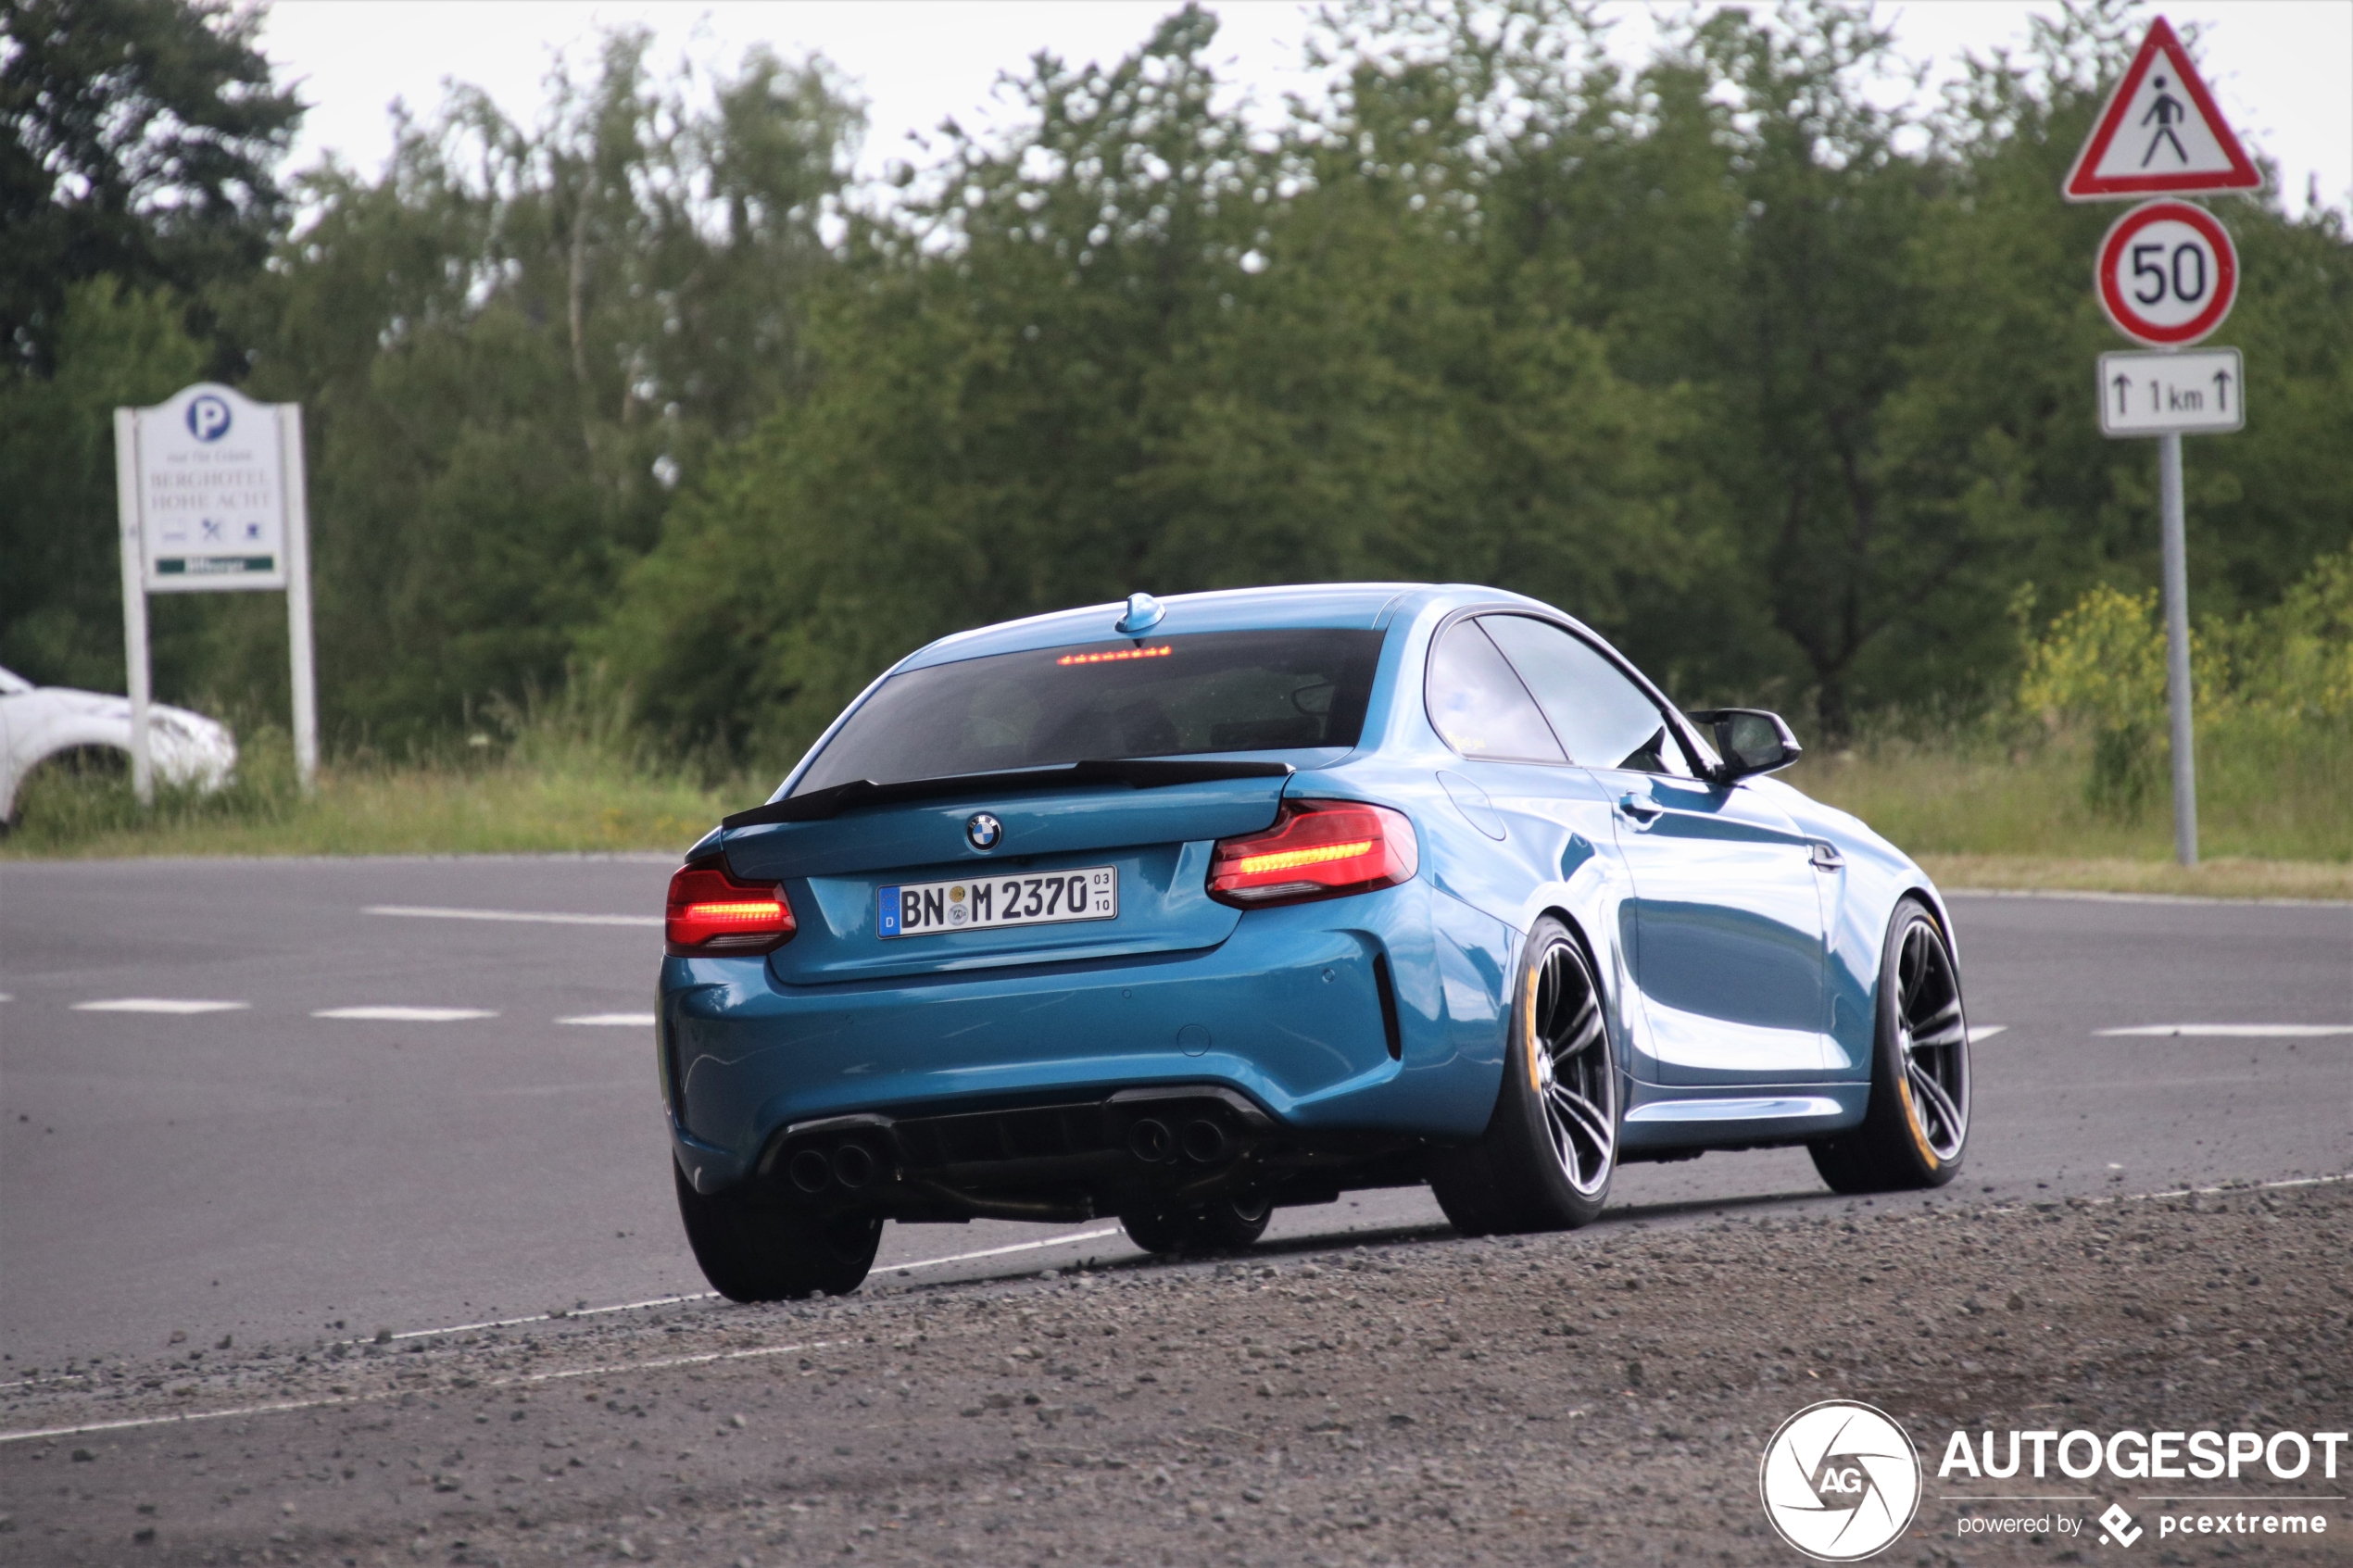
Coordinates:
(38,724)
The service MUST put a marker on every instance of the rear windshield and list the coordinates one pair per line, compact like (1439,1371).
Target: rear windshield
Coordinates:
(1152,696)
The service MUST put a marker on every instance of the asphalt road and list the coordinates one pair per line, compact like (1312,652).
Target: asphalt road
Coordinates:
(266,1172)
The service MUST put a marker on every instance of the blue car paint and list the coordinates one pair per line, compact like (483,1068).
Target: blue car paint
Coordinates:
(837,1021)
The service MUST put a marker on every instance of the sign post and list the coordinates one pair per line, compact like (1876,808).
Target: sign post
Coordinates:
(2166,275)
(210,491)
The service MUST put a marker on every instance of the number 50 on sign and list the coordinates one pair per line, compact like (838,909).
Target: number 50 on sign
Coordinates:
(2167,273)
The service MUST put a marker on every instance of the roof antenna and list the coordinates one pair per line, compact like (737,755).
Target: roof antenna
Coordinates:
(1144,612)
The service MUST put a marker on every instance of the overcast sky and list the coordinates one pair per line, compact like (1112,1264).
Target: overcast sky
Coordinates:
(2281,70)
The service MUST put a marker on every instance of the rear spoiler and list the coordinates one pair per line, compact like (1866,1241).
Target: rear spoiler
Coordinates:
(1142,772)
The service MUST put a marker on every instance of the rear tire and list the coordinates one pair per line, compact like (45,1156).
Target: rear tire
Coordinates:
(1225,1224)
(1545,1161)
(1917,1129)
(753,1253)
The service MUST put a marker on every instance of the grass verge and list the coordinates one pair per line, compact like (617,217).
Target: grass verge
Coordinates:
(1976,816)
(578,803)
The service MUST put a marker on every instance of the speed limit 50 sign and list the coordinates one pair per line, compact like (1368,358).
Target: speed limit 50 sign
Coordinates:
(2167,273)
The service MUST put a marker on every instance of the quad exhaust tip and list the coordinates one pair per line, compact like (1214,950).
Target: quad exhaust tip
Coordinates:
(1205,1140)
(810,1171)
(853,1166)
(1150,1141)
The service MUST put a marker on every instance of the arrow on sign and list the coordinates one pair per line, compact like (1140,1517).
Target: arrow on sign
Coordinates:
(2222,389)
(2159,133)
(2123,384)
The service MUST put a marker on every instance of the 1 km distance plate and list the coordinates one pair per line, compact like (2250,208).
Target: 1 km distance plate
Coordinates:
(2202,391)
(929,908)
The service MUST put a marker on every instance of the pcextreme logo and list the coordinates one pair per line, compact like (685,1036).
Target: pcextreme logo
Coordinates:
(1840,1481)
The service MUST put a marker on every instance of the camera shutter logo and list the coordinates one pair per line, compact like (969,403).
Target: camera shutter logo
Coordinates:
(1840,1481)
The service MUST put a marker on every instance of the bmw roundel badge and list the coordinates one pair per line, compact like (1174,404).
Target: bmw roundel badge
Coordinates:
(983,830)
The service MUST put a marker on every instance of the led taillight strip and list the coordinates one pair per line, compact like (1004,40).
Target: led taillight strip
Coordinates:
(1291,859)
(766,911)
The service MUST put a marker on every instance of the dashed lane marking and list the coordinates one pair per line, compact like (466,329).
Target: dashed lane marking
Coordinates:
(529,917)
(405,1015)
(612,1019)
(177,1007)
(2232,1031)
(1985,1032)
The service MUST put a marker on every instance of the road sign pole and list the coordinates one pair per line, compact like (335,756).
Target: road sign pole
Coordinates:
(134,599)
(2177,648)
(305,690)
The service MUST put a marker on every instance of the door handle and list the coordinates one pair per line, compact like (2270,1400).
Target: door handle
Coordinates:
(1826,856)
(1643,813)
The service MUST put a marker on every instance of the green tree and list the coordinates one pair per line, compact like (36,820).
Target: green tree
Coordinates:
(513,343)
(141,140)
(60,571)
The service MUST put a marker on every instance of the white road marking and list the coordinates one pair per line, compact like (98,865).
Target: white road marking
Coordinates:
(607,1371)
(2236,1031)
(405,1015)
(537,917)
(551,1317)
(713,1295)
(158,1004)
(613,1020)
(1985,1031)
(1000,1251)
(616,1368)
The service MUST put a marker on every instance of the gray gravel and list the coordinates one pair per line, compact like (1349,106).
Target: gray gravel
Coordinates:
(1601,1398)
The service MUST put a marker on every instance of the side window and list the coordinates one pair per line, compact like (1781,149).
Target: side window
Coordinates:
(1605,719)
(1479,705)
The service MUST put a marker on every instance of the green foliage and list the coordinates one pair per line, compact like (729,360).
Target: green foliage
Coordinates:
(637,406)
(140,140)
(2276,685)
(511,345)
(61,569)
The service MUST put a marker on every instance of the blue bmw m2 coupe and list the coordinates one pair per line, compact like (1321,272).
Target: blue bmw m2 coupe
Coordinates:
(1182,911)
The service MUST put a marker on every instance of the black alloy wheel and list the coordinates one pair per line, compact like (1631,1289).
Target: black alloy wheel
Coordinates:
(755,1252)
(1916,1128)
(1551,1146)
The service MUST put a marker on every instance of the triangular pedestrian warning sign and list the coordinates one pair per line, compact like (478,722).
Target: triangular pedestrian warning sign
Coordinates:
(2159,133)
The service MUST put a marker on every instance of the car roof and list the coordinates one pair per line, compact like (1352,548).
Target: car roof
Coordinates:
(1358,605)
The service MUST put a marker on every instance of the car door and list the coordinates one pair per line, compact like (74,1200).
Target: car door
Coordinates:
(1512,781)
(1726,937)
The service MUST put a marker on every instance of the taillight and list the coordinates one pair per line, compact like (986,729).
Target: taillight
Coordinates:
(710,912)
(1318,849)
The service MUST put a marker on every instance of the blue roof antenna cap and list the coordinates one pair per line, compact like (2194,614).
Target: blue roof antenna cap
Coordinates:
(1144,612)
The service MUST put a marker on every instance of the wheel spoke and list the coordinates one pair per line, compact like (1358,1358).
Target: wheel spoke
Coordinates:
(1913,960)
(1926,1087)
(1942,1027)
(1582,1029)
(1586,1116)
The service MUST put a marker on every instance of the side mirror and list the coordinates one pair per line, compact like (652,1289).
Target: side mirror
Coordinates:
(1750,740)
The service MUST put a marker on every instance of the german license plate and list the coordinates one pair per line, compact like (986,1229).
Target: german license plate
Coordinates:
(926,908)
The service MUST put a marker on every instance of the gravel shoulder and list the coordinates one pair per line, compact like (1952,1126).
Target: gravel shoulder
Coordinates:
(1602,1397)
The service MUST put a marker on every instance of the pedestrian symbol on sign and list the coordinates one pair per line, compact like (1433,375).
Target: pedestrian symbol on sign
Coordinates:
(2165,111)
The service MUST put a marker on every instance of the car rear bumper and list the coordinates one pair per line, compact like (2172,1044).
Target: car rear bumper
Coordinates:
(1377,1014)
